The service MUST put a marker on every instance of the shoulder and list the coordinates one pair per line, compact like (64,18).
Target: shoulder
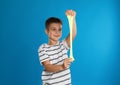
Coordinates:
(41,47)
(64,43)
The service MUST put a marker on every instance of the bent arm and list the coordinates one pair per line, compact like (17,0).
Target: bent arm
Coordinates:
(56,68)
(52,68)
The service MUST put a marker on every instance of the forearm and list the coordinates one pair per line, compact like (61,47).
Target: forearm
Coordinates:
(53,68)
(74,30)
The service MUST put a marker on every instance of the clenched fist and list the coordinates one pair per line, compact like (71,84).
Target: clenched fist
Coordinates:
(70,13)
(66,63)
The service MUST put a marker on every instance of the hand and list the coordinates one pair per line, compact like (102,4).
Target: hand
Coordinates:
(70,13)
(66,63)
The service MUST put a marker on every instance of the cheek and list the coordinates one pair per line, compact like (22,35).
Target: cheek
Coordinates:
(60,34)
(51,33)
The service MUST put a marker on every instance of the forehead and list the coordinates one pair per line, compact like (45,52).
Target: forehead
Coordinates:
(57,25)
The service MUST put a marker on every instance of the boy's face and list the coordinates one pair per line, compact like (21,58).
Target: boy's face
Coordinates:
(54,31)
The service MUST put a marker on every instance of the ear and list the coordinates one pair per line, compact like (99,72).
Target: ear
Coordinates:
(46,31)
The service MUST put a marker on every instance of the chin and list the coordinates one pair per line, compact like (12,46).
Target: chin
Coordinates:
(57,39)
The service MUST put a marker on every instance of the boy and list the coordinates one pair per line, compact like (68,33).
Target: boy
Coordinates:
(53,56)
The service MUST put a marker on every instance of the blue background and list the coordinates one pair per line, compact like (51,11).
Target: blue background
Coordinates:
(96,46)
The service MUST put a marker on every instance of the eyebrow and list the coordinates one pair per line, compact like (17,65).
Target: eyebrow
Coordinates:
(57,28)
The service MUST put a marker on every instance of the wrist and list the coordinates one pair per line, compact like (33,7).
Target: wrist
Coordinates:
(63,66)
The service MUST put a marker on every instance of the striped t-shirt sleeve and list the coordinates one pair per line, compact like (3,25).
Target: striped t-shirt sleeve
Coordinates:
(42,54)
(65,44)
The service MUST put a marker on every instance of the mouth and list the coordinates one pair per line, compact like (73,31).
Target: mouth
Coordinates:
(57,36)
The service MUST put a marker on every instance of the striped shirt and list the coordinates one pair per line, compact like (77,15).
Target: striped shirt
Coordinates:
(56,55)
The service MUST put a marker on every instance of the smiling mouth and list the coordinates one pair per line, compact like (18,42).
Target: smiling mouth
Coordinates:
(57,36)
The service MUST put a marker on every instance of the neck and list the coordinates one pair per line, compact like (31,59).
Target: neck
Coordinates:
(52,42)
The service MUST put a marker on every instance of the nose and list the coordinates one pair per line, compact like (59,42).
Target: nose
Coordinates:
(57,31)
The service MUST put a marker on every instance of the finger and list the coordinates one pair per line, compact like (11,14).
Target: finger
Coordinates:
(67,12)
(70,60)
(68,65)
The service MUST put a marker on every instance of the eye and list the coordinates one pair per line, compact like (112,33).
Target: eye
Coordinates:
(60,29)
(53,29)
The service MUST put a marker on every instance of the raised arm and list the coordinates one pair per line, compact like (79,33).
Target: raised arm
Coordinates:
(71,13)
